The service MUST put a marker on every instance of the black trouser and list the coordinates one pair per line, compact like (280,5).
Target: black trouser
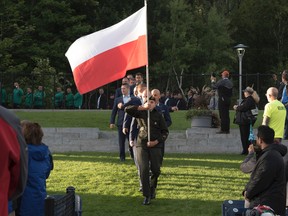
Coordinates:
(223,106)
(121,141)
(149,158)
(244,133)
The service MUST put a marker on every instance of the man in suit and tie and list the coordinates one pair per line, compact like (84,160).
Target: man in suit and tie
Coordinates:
(101,100)
(118,109)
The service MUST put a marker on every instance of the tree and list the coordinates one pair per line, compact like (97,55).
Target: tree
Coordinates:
(176,42)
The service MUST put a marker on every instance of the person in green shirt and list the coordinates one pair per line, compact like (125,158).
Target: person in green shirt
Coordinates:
(17,96)
(78,100)
(29,99)
(274,114)
(69,99)
(58,98)
(39,98)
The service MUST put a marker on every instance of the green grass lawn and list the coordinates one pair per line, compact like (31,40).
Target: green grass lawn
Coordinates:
(101,118)
(190,184)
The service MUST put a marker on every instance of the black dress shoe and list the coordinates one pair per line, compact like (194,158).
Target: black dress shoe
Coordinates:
(146,201)
(153,193)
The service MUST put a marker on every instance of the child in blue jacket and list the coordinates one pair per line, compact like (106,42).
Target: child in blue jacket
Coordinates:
(40,164)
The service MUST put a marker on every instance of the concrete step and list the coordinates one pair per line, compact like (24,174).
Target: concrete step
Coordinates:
(193,140)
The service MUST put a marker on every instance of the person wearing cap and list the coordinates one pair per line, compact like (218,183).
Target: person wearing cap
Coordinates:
(149,152)
(224,89)
(251,98)
(274,114)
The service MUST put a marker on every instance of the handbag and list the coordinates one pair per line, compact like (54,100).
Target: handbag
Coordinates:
(247,117)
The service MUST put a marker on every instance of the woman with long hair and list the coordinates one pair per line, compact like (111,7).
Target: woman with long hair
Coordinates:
(249,103)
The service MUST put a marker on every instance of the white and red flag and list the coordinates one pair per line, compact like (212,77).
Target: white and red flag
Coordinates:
(105,56)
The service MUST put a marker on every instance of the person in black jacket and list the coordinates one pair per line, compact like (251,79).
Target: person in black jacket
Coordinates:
(251,98)
(149,152)
(224,88)
(267,183)
(101,100)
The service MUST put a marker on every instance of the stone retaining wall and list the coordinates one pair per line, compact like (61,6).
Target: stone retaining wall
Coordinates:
(193,140)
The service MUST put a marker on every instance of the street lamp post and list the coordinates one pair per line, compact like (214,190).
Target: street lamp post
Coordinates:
(240,48)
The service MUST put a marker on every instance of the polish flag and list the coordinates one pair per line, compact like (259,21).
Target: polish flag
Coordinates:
(105,56)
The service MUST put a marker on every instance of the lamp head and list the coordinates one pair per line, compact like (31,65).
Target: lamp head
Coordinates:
(240,48)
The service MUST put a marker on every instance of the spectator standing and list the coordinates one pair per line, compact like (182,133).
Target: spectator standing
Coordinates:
(149,152)
(69,99)
(40,163)
(274,114)
(13,159)
(267,183)
(162,109)
(224,89)
(118,91)
(59,98)
(190,99)
(132,83)
(181,103)
(39,98)
(28,99)
(111,101)
(169,102)
(139,79)
(251,98)
(3,96)
(78,100)
(102,100)
(276,82)
(213,103)
(118,109)
(284,99)
(17,96)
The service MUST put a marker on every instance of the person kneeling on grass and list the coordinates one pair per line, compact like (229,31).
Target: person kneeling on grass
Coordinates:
(149,153)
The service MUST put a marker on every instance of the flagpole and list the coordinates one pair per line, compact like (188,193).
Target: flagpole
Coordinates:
(147,73)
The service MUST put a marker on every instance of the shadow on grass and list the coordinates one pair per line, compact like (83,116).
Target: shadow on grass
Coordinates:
(170,160)
(190,184)
(102,205)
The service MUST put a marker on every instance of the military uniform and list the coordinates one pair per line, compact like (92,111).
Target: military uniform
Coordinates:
(149,157)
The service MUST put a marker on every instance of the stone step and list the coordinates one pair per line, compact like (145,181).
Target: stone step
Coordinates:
(193,140)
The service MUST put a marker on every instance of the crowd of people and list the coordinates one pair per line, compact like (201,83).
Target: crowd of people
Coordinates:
(37,99)
(98,99)
(137,109)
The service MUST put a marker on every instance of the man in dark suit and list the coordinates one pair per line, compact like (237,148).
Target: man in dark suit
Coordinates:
(181,103)
(118,91)
(118,109)
(101,100)
(224,88)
